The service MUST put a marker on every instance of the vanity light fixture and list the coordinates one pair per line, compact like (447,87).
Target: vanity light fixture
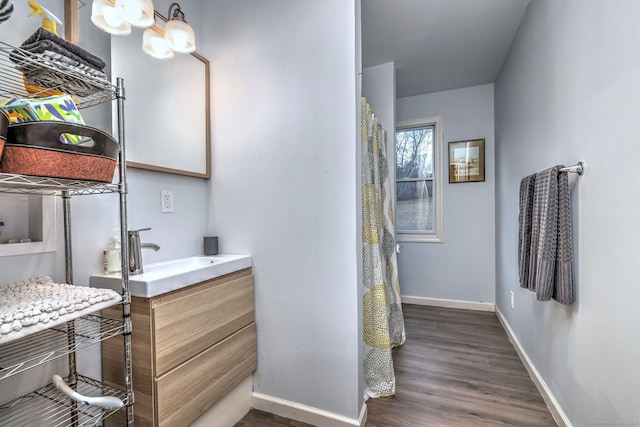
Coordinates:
(153,44)
(160,39)
(166,36)
(138,13)
(117,16)
(177,33)
(105,17)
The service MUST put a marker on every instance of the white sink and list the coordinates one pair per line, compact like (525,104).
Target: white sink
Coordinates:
(166,276)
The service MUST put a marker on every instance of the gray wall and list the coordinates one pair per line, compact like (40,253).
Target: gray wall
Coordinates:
(462,267)
(379,87)
(284,187)
(568,91)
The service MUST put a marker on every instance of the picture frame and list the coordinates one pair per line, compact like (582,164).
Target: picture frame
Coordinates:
(466,161)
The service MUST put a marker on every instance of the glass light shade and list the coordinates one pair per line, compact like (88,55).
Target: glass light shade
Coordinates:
(105,17)
(153,44)
(179,36)
(138,13)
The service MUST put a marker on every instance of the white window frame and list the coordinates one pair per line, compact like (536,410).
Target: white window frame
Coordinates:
(438,178)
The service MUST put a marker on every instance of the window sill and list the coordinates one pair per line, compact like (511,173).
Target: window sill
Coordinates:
(418,238)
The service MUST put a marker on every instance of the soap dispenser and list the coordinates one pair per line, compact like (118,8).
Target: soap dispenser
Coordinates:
(112,254)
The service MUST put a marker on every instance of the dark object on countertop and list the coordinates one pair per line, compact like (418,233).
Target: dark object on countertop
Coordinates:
(211,245)
(42,34)
(34,148)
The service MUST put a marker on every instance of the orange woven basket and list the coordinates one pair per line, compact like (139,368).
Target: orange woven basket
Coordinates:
(35,148)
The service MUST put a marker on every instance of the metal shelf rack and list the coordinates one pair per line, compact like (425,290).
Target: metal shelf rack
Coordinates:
(47,406)
(15,61)
(24,184)
(44,346)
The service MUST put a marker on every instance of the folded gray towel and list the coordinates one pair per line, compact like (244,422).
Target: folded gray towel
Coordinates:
(42,34)
(527,186)
(51,58)
(42,46)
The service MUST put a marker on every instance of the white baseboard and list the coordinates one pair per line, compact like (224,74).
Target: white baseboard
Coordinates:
(554,407)
(449,303)
(304,413)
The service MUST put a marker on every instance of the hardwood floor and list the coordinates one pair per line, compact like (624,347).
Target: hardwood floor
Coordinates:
(456,369)
(257,418)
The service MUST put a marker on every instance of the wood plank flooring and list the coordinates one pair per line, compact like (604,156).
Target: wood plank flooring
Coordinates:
(257,418)
(457,369)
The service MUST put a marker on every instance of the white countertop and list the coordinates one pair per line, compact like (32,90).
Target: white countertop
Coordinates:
(166,276)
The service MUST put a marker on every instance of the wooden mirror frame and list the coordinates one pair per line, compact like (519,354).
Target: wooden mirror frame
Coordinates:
(71,34)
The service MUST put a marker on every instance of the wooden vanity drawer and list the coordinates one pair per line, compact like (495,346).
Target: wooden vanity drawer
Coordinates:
(187,322)
(185,392)
(190,348)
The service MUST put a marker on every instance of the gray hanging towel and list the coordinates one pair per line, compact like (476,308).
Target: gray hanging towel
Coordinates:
(563,291)
(527,186)
(551,260)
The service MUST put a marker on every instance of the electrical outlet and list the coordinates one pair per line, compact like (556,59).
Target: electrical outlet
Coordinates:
(513,300)
(167,201)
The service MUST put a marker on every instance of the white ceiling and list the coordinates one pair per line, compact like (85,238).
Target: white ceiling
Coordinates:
(439,44)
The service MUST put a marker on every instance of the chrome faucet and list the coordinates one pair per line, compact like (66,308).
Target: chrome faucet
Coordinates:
(135,250)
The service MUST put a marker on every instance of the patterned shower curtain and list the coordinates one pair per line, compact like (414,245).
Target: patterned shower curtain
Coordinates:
(382,311)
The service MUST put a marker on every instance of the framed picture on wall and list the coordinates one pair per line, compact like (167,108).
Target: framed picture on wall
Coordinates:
(466,161)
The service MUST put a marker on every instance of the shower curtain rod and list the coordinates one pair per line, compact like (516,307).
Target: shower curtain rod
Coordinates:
(579,168)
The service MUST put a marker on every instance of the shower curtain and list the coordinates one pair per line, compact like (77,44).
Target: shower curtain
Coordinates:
(383,323)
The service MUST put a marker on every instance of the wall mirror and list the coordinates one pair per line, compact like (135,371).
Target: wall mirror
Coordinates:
(167,117)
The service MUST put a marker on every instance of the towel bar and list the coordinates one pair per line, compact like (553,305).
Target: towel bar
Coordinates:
(579,168)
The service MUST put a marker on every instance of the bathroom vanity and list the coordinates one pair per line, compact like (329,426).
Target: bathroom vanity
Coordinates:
(191,346)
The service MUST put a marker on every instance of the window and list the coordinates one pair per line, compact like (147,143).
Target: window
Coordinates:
(418,150)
